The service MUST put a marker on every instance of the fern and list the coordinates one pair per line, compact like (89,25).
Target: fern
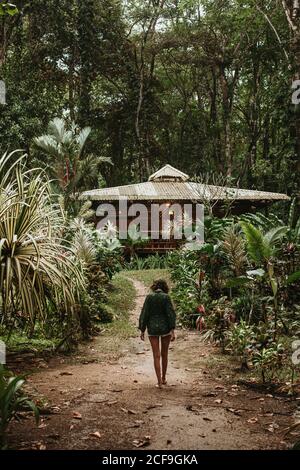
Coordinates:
(262,222)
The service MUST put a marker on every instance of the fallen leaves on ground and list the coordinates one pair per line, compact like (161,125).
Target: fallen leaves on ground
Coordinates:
(96,434)
(137,423)
(252,420)
(157,405)
(142,442)
(130,412)
(236,412)
(272,427)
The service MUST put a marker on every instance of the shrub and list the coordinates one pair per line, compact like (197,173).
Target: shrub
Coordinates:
(241,339)
(12,400)
(105,313)
(268,360)
(37,268)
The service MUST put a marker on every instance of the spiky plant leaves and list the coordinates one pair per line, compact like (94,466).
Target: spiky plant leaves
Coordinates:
(35,264)
(233,246)
(84,247)
(82,138)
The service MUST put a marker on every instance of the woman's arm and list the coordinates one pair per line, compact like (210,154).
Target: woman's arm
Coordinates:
(143,318)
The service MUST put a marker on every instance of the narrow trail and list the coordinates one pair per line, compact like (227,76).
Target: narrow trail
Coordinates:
(103,402)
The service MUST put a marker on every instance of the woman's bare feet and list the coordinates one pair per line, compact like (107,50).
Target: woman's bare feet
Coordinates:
(164,381)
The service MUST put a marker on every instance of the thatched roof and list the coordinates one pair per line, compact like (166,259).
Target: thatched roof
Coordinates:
(169,184)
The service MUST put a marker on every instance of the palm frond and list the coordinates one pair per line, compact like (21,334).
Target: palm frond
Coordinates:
(82,138)
(258,247)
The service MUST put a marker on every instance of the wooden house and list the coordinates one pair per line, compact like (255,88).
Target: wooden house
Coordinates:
(169,186)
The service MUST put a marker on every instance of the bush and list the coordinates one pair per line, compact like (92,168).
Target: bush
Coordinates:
(241,339)
(105,313)
(156,261)
(37,268)
(12,400)
(269,360)
(190,287)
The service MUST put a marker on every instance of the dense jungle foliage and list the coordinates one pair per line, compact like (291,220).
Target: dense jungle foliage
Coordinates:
(100,93)
(204,85)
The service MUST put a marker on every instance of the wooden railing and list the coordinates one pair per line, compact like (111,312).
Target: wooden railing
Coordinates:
(159,246)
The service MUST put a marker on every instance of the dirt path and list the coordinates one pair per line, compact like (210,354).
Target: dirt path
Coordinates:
(103,402)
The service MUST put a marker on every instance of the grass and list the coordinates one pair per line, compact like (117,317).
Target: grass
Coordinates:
(147,276)
(18,342)
(121,300)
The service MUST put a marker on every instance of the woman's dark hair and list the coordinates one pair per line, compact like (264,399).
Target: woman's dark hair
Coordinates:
(160,284)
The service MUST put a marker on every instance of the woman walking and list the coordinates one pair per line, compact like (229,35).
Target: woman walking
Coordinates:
(159,318)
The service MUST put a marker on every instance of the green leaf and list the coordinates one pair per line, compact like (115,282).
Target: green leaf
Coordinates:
(274,285)
(293,277)
(238,281)
(8,9)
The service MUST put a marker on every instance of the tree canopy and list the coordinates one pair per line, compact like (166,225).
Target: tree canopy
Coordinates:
(204,85)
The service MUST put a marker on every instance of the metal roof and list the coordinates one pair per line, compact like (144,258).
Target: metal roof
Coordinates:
(170,173)
(179,191)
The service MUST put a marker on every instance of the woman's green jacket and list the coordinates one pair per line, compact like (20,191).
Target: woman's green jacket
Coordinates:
(158,314)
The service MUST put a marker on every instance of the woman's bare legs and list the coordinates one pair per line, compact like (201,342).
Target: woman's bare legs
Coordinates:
(154,340)
(165,343)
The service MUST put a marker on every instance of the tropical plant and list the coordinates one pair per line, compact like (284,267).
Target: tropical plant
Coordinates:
(190,285)
(12,400)
(263,222)
(262,246)
(241,338)
(233,247)
(135,239)
(7,8)
(84,247)
(214,228)
(217,321)
(155,261)
(70,167)
(268,360)
(36,266)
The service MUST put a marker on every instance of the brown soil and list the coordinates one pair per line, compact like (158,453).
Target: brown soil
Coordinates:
(106,401)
